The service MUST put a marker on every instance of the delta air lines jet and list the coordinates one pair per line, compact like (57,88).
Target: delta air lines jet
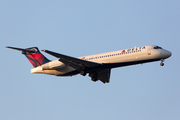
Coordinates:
(98,66)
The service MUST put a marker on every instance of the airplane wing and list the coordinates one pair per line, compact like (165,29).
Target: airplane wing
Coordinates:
(104,75)
(78,64)
(75,63)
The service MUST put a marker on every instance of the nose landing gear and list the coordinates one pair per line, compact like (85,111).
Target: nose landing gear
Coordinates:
(162,64)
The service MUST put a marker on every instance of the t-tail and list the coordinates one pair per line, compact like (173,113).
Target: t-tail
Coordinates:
(33,55)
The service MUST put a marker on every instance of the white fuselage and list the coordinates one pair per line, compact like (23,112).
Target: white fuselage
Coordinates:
(113,59)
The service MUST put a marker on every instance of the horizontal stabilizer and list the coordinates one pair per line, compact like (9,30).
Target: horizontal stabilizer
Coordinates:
(20,49)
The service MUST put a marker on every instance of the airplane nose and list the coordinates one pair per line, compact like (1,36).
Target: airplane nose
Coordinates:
(168,54)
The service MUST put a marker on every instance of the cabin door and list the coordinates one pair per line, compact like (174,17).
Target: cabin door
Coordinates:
(149,52)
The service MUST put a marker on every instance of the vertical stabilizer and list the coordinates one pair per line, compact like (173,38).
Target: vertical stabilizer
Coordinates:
(35,58)
(33,55)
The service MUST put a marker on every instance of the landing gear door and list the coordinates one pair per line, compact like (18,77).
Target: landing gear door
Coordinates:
(149,51)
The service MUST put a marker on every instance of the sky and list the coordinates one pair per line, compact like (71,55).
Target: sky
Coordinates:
(79,28)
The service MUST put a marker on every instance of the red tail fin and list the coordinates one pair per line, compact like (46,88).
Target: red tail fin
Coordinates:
(35,58)
(34,55)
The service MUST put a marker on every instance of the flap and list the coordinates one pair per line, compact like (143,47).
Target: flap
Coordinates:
(104,75)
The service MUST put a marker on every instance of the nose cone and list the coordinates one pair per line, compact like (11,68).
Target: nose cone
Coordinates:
(167,54)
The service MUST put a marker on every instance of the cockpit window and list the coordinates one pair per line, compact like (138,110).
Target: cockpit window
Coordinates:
(157,47)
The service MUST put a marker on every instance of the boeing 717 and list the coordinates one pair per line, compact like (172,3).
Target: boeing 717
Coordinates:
(98,66)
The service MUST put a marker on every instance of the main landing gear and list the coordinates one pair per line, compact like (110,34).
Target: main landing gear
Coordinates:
(93,76)
(83,72)
(162,64)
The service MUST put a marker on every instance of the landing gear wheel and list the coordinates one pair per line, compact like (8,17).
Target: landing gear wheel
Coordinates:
(83,73)
(162,64)
(93,76)
(94,79)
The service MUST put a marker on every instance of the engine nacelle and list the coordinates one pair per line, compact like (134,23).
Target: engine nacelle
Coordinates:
(54,65)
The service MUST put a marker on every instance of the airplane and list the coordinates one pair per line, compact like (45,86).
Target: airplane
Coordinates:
(98,66)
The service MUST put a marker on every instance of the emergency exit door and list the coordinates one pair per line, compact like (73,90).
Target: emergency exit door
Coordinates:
(149,51)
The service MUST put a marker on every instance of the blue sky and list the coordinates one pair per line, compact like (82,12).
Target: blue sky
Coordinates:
(78,28)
